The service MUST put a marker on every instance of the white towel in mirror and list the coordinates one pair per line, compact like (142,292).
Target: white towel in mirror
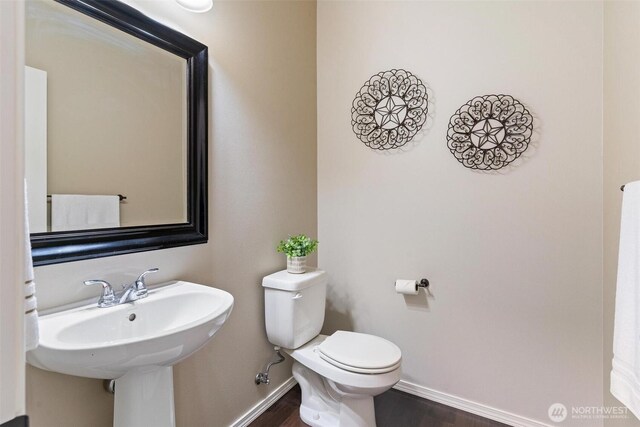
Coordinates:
(83,212)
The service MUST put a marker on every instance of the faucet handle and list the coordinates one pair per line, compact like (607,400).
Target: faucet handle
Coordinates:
(108,298)
(141,287)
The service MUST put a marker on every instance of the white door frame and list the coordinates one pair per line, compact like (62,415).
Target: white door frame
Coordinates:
(12,361)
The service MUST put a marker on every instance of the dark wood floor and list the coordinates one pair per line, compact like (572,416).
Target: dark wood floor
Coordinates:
(393,409)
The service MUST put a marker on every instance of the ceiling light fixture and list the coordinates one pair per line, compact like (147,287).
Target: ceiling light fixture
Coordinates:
(197,6)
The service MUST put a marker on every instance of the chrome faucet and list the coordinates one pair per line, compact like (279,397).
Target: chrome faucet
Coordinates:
(108,297)
(131,292)
(140,286)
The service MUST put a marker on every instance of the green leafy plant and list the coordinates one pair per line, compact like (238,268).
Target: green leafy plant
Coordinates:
(297,246)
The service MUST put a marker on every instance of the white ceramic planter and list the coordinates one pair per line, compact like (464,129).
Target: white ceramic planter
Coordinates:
(297,264)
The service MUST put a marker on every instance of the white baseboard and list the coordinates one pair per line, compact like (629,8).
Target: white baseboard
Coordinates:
(263,405)
(468,405)
(407,387)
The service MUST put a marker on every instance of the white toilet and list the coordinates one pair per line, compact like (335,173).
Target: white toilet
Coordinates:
(338,374)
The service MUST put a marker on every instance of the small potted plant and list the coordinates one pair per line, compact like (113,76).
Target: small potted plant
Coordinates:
(297,248)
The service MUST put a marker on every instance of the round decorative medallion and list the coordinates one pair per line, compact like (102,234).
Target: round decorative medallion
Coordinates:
(389,109)
(489,132)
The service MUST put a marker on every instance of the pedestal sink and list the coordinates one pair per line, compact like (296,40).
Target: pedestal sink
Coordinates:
(136,344)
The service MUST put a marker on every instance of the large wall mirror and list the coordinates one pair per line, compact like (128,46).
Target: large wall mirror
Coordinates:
(115,131)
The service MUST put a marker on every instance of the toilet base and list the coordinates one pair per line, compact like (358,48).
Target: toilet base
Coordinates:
(326,404)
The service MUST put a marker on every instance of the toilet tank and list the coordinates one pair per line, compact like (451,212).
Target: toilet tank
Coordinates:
(294,306)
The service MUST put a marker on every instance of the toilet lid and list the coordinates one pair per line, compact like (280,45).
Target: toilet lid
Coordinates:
(360,353)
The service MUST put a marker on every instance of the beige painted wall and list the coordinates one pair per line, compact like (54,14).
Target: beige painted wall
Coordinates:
(116,113)
(621,153)
(514,258)
(262,187)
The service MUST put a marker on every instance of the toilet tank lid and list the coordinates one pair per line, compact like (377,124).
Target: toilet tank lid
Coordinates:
(294,282)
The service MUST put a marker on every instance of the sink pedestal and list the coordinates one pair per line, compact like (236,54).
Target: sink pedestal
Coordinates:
(144,397)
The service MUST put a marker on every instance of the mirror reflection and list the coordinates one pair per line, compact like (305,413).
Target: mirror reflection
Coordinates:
(106,125)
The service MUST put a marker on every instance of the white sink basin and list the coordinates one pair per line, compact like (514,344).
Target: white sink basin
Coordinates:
(134,343)
(170,324)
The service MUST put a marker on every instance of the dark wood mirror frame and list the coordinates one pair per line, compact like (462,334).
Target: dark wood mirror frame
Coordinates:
(66,246)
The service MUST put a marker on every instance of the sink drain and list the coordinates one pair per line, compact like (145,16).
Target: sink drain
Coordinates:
(132,317)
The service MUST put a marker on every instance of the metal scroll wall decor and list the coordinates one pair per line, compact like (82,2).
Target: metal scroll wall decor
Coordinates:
(489,132)
(389,109)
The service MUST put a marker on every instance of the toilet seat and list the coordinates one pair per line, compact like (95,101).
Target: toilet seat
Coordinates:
(360,353)
(309,356)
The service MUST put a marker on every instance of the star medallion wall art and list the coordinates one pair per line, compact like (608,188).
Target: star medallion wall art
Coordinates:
(489,132)
(389,110)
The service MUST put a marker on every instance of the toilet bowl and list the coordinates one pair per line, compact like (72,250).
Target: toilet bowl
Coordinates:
(333,396)
(338,374)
